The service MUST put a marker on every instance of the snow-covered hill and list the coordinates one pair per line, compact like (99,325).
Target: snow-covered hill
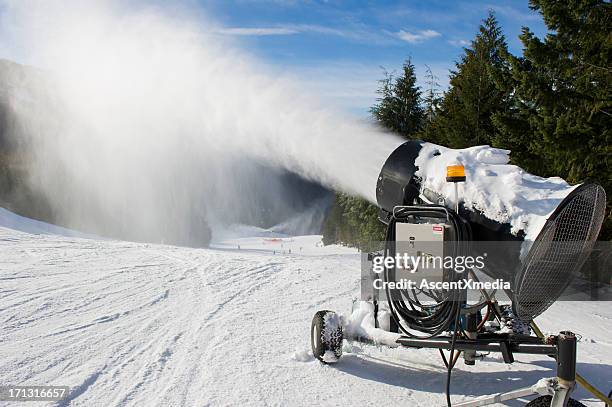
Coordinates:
(13,221)
(150,325)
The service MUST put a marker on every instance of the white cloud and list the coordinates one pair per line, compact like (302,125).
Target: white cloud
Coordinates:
(351,86)
(459,43)
(290,29)
(417,37)
(354,33)
(324,30)
(347,86)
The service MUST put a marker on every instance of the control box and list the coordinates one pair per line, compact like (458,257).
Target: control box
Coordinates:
(420,242)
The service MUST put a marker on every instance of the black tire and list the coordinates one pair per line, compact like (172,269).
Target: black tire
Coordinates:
(326,336)
(544,401)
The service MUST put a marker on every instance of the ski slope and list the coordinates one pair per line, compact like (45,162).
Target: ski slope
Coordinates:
(132,324)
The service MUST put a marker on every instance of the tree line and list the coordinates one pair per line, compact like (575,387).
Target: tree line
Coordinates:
(551,106)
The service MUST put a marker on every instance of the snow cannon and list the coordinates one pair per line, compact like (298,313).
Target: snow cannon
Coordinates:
(443,203)
(558,236)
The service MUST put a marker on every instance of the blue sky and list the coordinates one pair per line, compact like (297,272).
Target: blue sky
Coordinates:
(338,47)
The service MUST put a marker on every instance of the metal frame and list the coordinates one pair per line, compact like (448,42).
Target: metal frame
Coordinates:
(504,345)
(543,387)
(561,347)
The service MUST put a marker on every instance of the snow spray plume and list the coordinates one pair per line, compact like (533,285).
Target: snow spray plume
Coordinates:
(152,113)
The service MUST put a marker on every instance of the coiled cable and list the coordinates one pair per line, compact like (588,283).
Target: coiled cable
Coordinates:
(445,311)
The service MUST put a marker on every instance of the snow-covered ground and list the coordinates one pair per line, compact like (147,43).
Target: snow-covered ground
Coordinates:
(150,325)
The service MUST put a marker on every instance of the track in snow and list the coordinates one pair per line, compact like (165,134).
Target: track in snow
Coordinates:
(136,324)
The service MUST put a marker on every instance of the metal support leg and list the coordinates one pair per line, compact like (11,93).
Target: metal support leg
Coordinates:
(469,356)
(581,380)
(566,369)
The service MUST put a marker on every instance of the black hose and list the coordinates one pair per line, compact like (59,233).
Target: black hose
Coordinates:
(446,311)
(409,311)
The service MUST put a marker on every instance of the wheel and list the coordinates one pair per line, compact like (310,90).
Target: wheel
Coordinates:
(326,336)
(544,401)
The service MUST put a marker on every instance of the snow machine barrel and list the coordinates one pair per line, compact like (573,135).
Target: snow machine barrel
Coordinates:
(539,274)
(398,185)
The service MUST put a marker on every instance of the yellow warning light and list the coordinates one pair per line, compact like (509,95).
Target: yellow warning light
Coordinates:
(455,173)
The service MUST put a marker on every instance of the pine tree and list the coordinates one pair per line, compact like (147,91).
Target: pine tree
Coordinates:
(432,97)
(561,121)
(352,220)
(477,90)
(399,106)
(432,102)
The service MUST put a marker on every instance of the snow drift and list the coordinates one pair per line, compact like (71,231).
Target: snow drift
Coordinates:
(19,223)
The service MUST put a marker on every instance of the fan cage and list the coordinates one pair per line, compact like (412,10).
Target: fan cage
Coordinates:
(559,251)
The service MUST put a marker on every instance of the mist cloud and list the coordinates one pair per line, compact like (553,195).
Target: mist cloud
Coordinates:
(153,117)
